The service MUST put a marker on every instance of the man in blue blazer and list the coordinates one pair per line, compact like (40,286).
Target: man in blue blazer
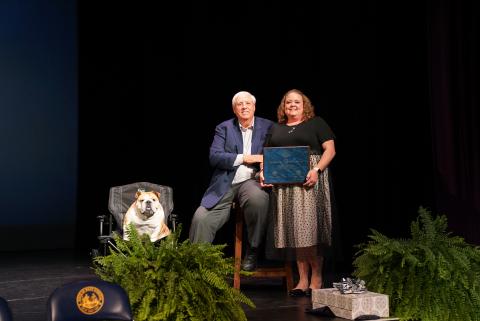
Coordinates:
(235,154)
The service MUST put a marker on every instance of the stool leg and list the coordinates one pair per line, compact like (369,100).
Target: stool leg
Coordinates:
(288,275)
(238,247)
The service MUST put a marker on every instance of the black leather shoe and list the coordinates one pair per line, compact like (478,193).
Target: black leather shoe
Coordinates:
(297,293)
(249,263)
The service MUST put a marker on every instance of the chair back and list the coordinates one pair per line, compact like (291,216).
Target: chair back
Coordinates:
(121,197)
(5,312)
(89,300)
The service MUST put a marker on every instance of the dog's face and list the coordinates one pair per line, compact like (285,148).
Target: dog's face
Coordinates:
(147,203)
(147,215)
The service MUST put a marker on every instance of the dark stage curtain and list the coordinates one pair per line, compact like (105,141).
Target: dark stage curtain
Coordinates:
(454,96)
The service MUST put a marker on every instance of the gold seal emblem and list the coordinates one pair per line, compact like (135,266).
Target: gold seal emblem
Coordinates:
(90,300)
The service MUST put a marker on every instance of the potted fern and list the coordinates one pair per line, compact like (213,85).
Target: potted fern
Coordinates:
(173,280)
(433,276)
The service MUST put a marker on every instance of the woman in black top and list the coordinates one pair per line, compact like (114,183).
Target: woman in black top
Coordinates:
(303,212)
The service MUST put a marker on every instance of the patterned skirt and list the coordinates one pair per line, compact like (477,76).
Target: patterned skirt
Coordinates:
(303,216)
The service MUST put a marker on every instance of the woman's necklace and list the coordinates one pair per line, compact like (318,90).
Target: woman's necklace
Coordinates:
(292,128)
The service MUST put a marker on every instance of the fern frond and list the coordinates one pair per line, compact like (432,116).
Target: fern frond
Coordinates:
(172,280)
(433,276)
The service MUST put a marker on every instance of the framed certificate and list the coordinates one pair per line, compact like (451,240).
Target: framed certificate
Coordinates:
(286,165)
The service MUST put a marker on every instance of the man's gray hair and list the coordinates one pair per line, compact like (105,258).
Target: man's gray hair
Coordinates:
(242,93)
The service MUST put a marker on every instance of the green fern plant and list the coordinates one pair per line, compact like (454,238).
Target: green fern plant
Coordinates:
(433,276)
(173,280)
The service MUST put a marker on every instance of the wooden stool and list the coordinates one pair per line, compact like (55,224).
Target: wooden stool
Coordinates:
(262,272)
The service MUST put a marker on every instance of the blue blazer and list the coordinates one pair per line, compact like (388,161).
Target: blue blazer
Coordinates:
(227,144)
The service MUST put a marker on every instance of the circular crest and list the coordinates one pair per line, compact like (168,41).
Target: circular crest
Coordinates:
(90,300)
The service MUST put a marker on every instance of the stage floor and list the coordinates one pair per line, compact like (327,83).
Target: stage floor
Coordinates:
(28,278)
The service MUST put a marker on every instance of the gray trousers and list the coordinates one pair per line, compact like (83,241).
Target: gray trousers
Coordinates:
(254,202)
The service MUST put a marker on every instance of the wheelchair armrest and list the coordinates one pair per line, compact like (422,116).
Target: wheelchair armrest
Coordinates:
(103,221)
(173,218)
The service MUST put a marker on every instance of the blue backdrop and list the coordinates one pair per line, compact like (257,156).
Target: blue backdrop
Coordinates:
(39,123)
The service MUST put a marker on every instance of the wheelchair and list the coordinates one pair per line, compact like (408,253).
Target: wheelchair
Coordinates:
(119,201)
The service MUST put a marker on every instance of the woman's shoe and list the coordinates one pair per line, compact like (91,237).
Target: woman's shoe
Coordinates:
(297,293)
(308,292)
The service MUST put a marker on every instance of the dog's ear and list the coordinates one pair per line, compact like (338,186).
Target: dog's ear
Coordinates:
(157,193)
(137,194)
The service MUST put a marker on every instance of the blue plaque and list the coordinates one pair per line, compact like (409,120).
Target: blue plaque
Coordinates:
(286,165)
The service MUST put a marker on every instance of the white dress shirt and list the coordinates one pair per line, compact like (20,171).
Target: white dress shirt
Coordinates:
(244,172)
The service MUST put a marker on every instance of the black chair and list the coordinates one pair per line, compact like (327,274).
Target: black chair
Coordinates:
(5,312)
(89,300)
(119,201)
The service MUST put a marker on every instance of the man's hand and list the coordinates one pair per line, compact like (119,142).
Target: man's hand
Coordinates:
(262,180)
(252,159)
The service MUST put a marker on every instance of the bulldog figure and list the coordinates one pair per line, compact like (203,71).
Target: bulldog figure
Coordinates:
(147,215)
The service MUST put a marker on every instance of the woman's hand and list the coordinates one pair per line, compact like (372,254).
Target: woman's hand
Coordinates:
(312,178)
